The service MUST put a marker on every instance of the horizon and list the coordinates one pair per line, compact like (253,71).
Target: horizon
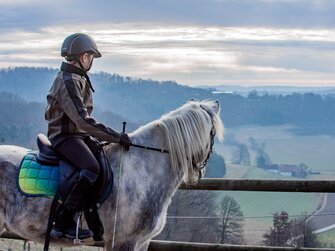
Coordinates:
(216,42)
(192,86)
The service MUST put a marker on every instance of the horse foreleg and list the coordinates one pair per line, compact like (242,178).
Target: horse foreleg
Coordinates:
(144,246)
(108,246)
(2,224)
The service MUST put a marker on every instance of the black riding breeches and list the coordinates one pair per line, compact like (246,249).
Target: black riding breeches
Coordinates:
(79,151)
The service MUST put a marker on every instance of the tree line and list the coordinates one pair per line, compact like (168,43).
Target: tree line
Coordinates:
(143,100)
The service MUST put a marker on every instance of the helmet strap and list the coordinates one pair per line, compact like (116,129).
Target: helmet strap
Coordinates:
(89,68)
(82,67)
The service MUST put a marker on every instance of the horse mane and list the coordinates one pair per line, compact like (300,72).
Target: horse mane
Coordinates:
(186,135)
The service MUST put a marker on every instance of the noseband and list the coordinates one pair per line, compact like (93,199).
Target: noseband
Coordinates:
(200,167)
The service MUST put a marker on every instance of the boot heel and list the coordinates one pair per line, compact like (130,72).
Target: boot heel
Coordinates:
(56,233)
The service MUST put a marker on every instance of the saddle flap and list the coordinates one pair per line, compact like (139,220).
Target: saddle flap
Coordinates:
(68,177)
(47,154)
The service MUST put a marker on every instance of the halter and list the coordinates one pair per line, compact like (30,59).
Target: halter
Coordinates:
(200,167)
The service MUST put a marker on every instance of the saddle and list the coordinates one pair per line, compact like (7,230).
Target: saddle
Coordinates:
(45,173)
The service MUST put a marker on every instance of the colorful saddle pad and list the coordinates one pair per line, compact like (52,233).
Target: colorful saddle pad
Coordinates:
(36,179)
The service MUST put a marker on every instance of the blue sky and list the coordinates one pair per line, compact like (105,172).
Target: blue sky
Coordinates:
(194,42)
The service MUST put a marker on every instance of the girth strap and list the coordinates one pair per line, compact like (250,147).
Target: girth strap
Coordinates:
(50,222)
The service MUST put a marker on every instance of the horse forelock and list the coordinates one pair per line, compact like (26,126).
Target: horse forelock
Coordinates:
(186,133)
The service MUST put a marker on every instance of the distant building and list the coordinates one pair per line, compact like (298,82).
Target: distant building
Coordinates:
(291,170)
(286,169)
(272,167)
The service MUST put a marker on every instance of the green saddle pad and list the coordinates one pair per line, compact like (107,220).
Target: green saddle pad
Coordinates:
(36,179)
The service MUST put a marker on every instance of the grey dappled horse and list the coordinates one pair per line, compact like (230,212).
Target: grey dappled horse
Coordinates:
(148,181)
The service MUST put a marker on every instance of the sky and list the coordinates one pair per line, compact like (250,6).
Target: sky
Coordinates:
(192,42)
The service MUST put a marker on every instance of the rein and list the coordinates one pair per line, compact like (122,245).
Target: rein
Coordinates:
(150,148)
(141,146)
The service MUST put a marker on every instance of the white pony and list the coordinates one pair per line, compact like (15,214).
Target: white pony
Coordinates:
(148,181)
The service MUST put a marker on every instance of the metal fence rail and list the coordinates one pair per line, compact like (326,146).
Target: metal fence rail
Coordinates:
(306,186)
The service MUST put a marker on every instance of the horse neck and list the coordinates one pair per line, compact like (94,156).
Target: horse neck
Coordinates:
(158,164)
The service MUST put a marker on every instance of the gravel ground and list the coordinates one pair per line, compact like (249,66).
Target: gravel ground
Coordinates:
(15,245)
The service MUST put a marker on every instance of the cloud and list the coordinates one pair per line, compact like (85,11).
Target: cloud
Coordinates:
(9,3)
(191,41)
(189,54)
(229,13)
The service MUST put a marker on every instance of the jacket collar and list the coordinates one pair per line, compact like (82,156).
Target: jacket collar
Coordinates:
(76,70)
(72,69)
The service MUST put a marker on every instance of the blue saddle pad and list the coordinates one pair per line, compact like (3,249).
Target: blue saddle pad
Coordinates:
(36,179)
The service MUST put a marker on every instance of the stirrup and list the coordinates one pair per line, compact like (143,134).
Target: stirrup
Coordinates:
(78,241)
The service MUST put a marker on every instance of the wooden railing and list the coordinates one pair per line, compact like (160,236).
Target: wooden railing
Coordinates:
(305,186)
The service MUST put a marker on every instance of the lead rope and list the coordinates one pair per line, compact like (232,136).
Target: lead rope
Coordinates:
(118,189)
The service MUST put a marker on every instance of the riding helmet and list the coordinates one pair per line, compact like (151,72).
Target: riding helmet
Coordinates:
(77,44)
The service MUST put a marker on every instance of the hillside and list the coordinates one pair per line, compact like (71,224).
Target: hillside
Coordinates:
(140,100)
(136,99)
(278,90)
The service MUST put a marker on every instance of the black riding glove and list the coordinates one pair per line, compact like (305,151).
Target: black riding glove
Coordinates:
(125,141)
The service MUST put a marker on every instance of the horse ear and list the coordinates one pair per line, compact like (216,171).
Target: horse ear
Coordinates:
(216,107)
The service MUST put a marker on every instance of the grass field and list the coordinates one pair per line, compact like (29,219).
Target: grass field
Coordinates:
(258,207)
(284,147)
(15,245)
(327,239)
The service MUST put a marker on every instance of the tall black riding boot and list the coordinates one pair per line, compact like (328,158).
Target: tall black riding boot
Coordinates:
(73,203)
(80,190)
(65,226)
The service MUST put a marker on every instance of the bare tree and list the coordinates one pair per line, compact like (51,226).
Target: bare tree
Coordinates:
(188,219)
(229,226)
(280,234)
(241,155)
(302,233)
(293,233)
(262,159)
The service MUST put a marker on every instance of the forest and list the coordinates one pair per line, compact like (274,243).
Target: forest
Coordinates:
(141,101)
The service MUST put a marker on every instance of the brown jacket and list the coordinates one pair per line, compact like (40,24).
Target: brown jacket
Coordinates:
(70,105)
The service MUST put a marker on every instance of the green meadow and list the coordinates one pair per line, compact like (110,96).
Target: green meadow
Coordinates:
(327,239)
(283,147)
(259,207)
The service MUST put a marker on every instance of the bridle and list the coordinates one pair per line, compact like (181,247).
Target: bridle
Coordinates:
(200,167)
